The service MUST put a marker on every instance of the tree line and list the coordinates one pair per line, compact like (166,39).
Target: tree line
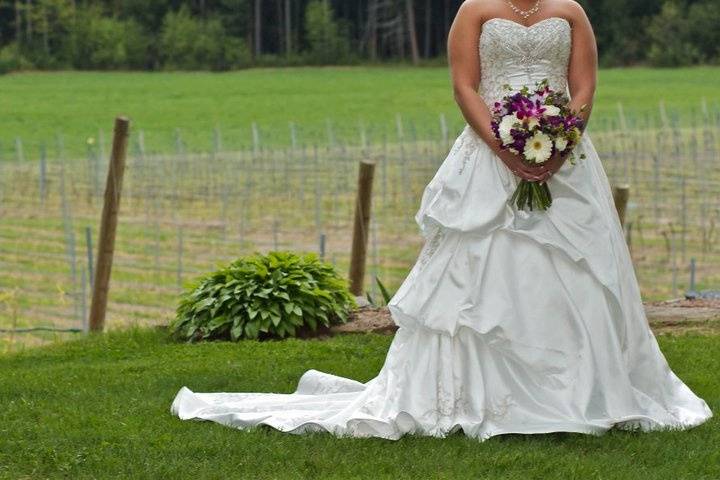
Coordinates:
(229,34)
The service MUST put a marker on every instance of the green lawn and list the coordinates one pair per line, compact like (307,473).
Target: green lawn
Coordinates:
(37,106)
(99,408)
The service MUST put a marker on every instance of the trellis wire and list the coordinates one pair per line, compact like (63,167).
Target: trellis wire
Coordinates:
(185,211)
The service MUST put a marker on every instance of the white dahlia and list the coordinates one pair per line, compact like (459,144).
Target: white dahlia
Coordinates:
(538,148)
(504,127)
(561,143)
(531,122)
(551,110)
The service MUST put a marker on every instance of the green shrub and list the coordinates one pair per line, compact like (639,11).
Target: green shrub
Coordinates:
(327,40)
(190,43)
(671,40)
(101,42)
(12,59)
(262,296)
(704,21)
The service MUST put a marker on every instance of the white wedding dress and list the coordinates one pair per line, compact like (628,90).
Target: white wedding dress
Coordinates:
(510,321)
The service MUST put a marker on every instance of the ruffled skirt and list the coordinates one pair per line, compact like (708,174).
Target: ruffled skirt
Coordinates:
(509,322)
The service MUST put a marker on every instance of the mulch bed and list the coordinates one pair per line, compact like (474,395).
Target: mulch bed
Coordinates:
(666,317)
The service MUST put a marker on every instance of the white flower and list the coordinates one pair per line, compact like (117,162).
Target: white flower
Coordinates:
(531,122)
(551,110)
(561,143)
(506,124)
(538,148)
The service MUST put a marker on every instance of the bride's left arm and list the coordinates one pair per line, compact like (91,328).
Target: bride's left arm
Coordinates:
(582,72)
(583,63)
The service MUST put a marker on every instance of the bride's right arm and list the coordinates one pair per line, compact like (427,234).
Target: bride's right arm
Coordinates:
(465,71)
(464,60)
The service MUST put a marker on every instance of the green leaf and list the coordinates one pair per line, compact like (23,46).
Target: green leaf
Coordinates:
(386,295)
(265,324)
(236,331)
(217,322)
(204,304)
(295,320)
(251,330)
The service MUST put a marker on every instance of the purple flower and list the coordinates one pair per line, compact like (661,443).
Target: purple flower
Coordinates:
(554,120)
(519,144)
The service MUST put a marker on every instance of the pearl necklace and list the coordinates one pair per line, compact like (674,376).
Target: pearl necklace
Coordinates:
(524,13)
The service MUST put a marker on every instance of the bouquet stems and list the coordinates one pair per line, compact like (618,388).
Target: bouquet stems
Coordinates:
(532,194)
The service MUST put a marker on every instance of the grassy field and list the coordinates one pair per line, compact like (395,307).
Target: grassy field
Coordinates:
(37,106)
(99,408)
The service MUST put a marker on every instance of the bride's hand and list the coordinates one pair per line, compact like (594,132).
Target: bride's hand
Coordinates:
(532,172)
(556,161)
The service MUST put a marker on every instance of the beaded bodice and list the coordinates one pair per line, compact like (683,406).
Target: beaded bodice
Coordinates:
(512,53)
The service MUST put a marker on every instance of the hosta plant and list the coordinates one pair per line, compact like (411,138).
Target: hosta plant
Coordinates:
(263,296)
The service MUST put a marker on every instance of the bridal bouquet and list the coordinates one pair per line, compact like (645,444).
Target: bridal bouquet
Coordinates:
(536,124)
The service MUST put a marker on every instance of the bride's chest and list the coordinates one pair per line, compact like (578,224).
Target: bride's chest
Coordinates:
(507,43)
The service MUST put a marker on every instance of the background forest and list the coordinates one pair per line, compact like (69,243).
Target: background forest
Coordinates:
(231,34)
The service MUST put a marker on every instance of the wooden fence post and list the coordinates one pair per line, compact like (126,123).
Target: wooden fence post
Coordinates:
(108,225)
(620,196)
(361,226)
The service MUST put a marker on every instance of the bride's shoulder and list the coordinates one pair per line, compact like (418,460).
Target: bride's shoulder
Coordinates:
(473,7)
(571,10)
(474,11)
(483,7)
(481,10)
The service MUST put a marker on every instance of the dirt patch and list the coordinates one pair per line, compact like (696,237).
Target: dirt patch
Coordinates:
(675,316)
(681,315)
(367,319)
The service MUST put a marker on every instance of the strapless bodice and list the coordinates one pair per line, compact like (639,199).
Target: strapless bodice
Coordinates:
(512,53)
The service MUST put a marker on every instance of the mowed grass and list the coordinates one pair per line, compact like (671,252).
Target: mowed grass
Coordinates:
(99,408)
(38,106)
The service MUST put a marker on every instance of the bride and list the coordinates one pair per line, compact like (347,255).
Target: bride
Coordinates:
(510,321)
